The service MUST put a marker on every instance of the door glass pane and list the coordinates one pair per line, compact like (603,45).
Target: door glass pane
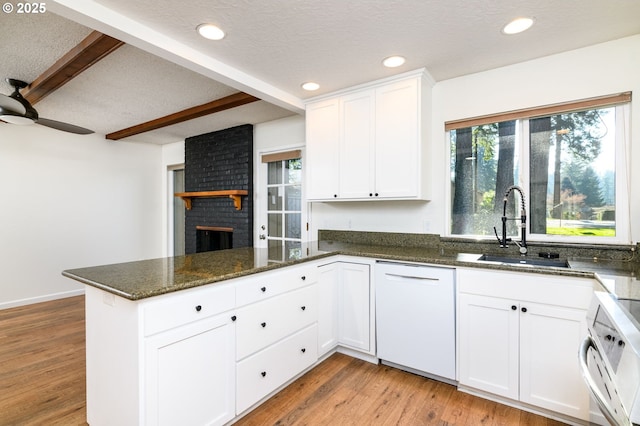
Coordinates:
(275,225)
(274,173)
(292,197)
(292,225)
(275,200)
(293,171)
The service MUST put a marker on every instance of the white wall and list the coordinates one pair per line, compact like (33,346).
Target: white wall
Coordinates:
(603,69)
(69,201)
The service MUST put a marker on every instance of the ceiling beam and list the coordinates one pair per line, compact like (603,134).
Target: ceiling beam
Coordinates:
(218,105)
(89,51)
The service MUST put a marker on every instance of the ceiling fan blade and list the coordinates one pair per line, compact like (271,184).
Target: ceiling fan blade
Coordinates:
(10,104)
(65,127)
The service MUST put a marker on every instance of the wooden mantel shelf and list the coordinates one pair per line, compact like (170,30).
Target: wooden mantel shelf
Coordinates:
(234,194)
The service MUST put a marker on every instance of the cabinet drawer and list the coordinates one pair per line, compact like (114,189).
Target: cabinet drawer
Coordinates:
(265,371)
(264,323)
(189,305)
(268,284)
(571,292)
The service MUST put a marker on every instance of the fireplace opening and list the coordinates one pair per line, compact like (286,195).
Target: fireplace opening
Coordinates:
(210,238)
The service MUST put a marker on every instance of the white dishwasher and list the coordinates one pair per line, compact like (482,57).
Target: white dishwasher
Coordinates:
(415,318)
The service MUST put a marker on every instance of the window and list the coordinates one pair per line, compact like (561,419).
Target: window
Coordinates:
(570,165)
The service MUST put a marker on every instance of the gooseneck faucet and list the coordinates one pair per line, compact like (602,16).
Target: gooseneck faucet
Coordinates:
(523,221)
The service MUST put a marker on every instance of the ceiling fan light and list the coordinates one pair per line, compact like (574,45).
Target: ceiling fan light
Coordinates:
(517,25)
(13,118)
(210,31)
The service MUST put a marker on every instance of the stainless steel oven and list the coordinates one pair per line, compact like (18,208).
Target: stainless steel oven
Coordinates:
(610,357)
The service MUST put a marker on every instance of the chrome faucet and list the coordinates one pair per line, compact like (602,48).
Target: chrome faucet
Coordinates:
(523,222)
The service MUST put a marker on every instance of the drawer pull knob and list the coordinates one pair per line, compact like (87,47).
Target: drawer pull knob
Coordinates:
(303,350)
(233,318)
(303,277)
(264,324)
(263,289)
(524,310)
(514,307)
(263,374)
(303,307)
(198,308)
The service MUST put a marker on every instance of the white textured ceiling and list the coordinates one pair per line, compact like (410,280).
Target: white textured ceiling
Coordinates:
(273,46)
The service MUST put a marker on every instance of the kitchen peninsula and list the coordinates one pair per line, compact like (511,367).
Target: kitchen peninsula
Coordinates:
(208,337)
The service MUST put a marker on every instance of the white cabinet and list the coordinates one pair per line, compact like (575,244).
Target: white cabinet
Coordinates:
(322,149)
(354,306)
(328,282)
(370,143)
(519,335)
(345,314)
(190,374)
(276,332)
(168,359)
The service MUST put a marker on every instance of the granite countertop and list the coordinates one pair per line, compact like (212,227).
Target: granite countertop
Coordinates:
(147,278)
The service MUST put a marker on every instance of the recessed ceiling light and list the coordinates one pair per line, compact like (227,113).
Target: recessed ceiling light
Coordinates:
(310,86)
(393,61)
(210,31)
(518,25)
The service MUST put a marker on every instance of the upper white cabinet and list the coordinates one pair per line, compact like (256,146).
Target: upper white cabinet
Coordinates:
(369,142)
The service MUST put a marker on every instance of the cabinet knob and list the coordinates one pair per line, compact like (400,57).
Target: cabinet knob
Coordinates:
(335,195)
(376,194)
(263,289)
(524,309)
(198,308)
(514,307)
(303,350)
(263,374)
(233,318)
(303,307)
(371,194)
(264,324)
(304,277)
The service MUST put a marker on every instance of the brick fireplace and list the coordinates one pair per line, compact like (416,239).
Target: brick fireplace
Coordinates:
(216,161)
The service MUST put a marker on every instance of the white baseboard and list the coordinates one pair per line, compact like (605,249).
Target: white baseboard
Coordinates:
(39,299)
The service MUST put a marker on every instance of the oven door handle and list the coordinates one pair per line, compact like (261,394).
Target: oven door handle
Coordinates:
(604,406)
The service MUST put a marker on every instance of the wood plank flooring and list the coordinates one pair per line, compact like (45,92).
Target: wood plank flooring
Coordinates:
(42,382)
(42,364)
(346,391)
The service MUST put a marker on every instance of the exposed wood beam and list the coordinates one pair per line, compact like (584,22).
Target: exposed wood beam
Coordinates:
(218,105)
(89,51)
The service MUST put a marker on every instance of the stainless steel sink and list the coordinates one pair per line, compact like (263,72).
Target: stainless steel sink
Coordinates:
(517,261)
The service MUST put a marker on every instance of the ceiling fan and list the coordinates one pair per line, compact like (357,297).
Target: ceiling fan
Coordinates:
(16,109)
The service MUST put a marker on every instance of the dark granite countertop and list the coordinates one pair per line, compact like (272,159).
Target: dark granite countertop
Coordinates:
(147,278)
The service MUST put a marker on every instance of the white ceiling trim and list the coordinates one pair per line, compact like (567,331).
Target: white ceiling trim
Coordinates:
(94,15)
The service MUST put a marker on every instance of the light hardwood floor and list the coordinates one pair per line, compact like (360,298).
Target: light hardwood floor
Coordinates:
(42,382)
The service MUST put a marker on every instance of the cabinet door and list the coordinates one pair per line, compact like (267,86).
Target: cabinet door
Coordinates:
(354,306)
(190,374)
(356,146)
(549,373)
(397,146)
(322,149)
(489,344)
(328,307)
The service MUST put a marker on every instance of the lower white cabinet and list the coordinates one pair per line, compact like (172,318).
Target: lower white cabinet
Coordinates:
(345,313)
(265,371)
(519,336)
(354,306)
(190,374)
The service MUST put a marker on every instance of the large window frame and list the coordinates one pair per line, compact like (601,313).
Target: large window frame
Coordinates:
(621,102)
